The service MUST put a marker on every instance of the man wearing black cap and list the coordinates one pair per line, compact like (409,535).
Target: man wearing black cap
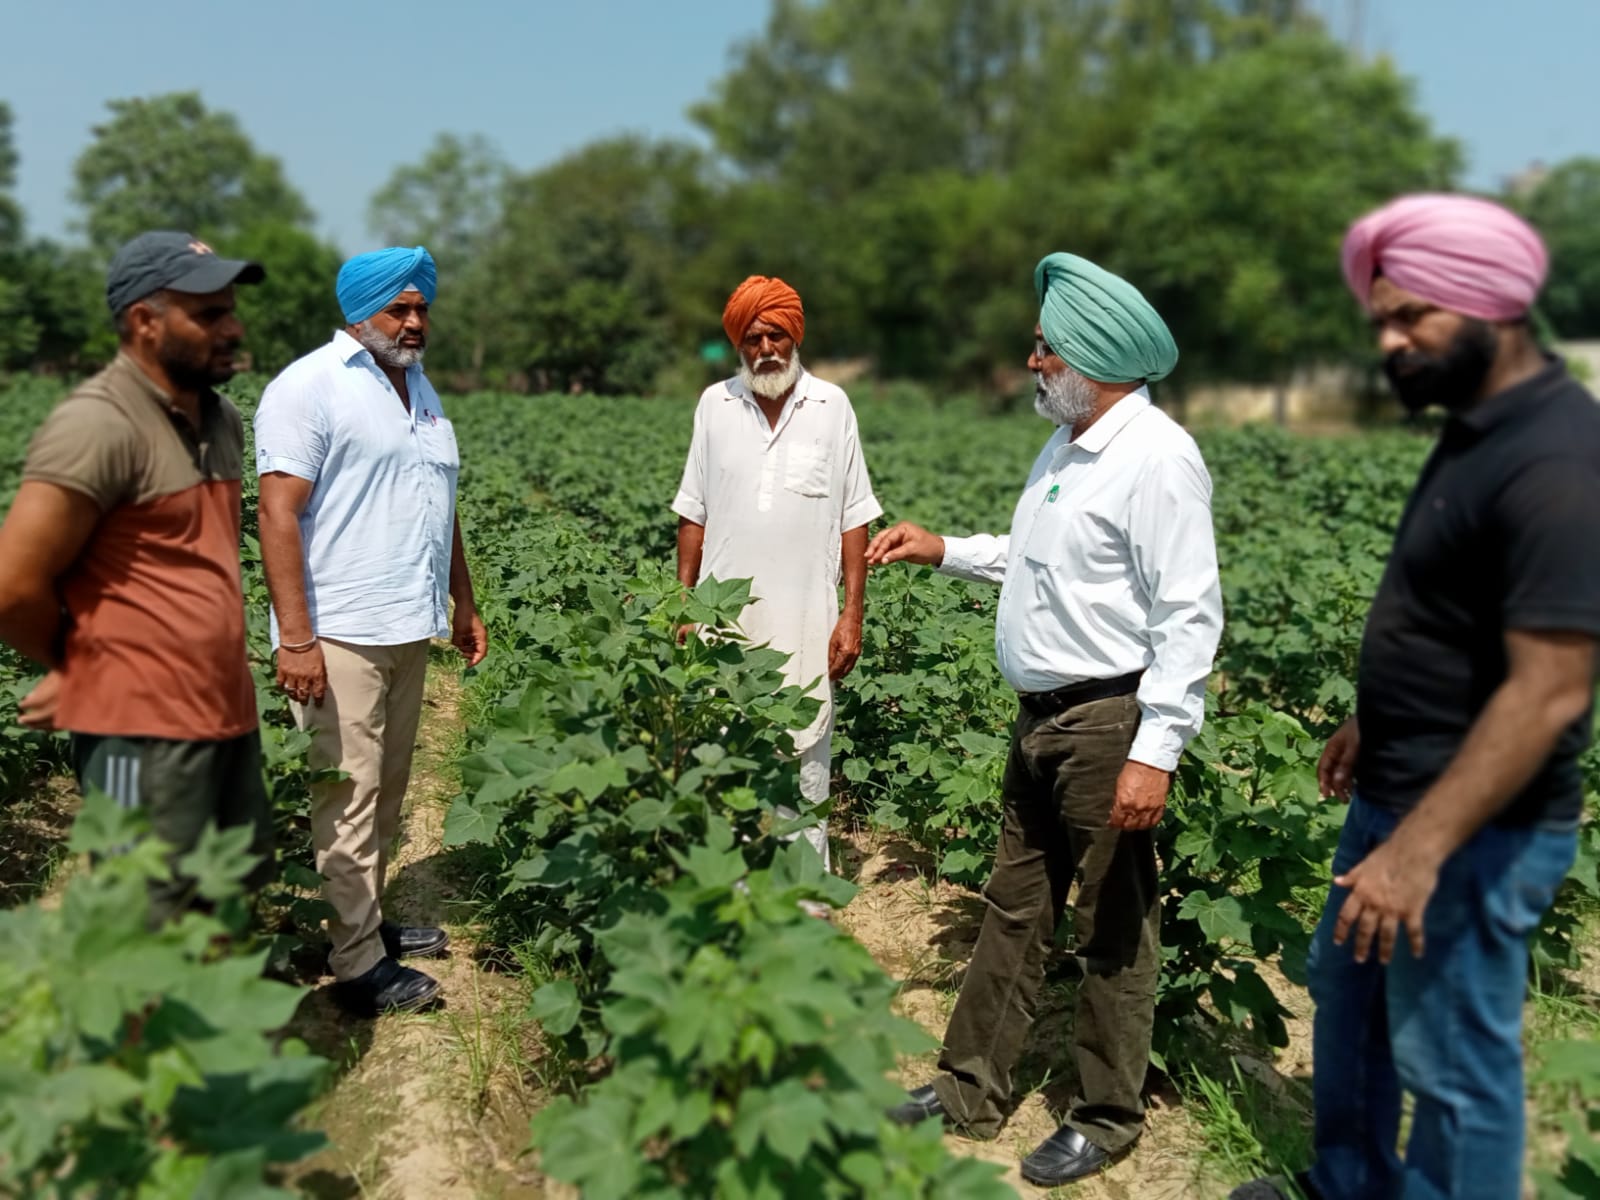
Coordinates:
(119,560)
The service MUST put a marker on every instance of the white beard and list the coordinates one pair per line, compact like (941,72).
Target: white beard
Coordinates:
(386,350)
(769,385)
(1064,398)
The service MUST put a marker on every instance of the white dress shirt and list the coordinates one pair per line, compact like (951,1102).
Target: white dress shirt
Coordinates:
(1110,568)
(775,501)
(378,526)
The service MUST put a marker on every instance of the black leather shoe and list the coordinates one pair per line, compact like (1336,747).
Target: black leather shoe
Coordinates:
(921,1104)
(413,941)
(388,987)
(1064,1156)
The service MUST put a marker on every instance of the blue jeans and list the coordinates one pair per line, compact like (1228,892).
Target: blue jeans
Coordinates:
(1446,1027)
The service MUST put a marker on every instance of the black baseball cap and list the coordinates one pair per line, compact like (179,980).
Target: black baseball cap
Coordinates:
(179,262)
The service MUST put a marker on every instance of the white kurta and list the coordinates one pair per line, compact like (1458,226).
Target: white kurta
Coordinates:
(774,501)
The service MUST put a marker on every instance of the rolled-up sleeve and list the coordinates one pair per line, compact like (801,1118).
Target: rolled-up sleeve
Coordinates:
(291,429)
(980,558)
(1175,560)
(690,502)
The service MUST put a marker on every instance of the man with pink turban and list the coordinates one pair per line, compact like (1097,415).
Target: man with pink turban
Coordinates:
(1460,763)
(775,490)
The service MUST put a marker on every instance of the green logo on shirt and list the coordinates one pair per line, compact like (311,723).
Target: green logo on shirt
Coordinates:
(1050,496)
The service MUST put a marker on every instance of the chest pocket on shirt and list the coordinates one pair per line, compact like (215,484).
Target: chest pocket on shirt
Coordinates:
(438,440)
(1089,543)
(808,471)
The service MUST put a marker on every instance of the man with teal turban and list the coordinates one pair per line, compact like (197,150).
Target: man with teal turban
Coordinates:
(1109,617)
(363,557)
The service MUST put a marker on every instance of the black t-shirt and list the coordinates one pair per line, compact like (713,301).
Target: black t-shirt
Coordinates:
(1502,532)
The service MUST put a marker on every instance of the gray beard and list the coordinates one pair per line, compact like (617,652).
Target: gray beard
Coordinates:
(1064,398)
(772,384)
(386,350)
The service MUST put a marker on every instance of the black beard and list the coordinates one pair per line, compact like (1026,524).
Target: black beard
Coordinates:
(1452,379)
(192,373)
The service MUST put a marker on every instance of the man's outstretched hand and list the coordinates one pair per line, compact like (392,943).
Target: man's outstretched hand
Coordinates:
(905,542)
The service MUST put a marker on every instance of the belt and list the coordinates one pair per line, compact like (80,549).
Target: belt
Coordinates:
(1048,704)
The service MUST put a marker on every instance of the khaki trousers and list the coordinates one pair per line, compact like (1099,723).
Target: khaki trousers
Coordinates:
(366,728)
(1059,786)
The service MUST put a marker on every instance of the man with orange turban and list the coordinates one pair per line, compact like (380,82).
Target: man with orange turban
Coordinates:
(775,490)
(1473,694)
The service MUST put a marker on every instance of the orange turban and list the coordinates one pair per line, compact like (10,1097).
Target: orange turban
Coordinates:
(764,299)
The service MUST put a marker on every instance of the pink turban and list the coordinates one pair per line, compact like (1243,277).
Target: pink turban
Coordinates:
(1461,253)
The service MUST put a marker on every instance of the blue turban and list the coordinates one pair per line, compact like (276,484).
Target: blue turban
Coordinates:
(369,281)
(1099,323)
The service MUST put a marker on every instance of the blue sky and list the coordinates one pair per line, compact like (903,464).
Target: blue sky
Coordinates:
(343,93)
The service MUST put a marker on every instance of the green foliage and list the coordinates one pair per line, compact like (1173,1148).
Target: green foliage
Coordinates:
(57,317)
(10,210)
(904,165)
(1574,1067)
(1562,207)
(295,309)
(752,1047)
(1246,844)
(136,1062)
(1303,528)
(1268,155)
(616,749)
(606,231)
(168,162)
(24,756)
(622,792)
(448,202)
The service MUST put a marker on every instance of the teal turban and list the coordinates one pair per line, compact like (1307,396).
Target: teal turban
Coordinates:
(1100,324)
(369,281)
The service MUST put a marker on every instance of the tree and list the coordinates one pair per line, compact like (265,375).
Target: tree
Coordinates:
(18,333)
(1563,207)
(167,162)
(448,202)
(917,157)
(588,289)
(10,210)
(295,309)
(1230,206)
(61,303)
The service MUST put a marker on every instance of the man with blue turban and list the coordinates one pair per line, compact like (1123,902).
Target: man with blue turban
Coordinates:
(363,557)
(1109,617)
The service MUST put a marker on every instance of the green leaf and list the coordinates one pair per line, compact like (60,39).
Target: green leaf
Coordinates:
(589,1146)
(790,1118)
(103,826)
(220,860)
(1220,918)
(556,1006)
(469,821)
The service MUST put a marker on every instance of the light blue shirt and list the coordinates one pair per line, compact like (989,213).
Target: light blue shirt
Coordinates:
(378,527)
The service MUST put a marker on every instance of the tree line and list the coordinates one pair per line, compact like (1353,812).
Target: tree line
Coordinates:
(902,162)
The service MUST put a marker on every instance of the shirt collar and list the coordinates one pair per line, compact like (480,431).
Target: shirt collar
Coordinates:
(347,347)
(1515,403)
(1113,421)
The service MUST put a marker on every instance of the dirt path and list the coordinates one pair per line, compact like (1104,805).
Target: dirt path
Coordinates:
(431,1106)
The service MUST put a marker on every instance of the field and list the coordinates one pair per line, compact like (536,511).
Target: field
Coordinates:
(588,800)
